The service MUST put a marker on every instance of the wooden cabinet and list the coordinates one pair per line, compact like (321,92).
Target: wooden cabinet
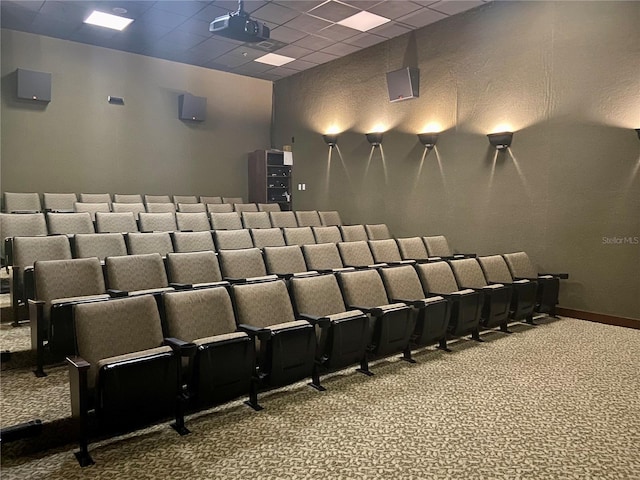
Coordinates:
(270,178)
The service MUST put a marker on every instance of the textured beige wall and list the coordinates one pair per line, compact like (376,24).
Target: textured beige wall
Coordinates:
(564,76)
(80,143)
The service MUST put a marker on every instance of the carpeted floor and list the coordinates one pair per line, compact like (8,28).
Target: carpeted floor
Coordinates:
(560,400)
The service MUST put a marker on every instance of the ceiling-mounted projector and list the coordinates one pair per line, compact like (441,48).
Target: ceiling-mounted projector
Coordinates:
(238,26)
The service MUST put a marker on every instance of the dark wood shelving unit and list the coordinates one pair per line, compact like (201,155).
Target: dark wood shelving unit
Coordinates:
(270,178)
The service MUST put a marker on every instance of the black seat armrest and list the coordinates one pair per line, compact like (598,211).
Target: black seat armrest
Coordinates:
(181,286)
(78,363)
(261,333)
(322,322)
(184,349)
(561,276)
(113,293)
(375,311)
(413,303)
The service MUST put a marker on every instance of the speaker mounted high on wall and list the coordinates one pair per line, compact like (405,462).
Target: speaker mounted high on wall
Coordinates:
(403,84)
(192,108)
(33,85)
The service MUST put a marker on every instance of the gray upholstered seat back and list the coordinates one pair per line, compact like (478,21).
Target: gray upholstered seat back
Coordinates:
(157,199)
(194,221)
(193,241)
(385,250)
(378,231)
(330,234)
(59,201)
(267,237)
(412,248)
(127,198)
(402,283)
(154,242)
(232,200)
(243,263)
(355,254)
(226,221)
(178,199)
(158,222)
(192,207)
(161,207)
(232,239)
(136,272)
(116,327)
(318,295)
(245,207)
(283,219)
(100,245)
(437,277)
(495,269)
(69,223)
(353,233)
(193,267)
(96,198)
(91,208)
(363,288)
(22,225)
(256,219)
(26,250)
(284,260)
(58,279)
(308,218)
(219,207)
(22,202)
(330,218)
(468,273)
(437,246)
(299,236)
(116,222)
(263,304)
(324,256)
(135,207)
(198,314)
(205,199)
(269,207)
(520,265)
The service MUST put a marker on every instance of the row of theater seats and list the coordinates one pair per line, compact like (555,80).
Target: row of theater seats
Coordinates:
(66,202)
(149,347)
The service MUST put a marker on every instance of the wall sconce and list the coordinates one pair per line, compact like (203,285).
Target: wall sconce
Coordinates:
(330,139)
(428,139)
(638,132)
(500,140)
(375,138)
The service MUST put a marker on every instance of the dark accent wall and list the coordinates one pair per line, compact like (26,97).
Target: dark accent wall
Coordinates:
(81,143)
(564,76)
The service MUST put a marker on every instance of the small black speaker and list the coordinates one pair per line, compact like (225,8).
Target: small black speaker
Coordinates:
(403,84)
(34,85)
(192,108)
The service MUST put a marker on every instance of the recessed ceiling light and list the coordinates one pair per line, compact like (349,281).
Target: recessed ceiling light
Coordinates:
(119,10)
(107,20)
(363,21)
(274,59)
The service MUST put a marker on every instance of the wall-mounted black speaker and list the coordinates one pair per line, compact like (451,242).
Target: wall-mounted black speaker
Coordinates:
(34,85)
(403,84)
(192,108)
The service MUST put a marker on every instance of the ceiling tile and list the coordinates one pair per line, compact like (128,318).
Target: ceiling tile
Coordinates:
(184,40)
(362,4)
(390,30)
(294,51)
(394,9)
(274,13)
(300,65)
(300,5)
(318,57)
(238,56)
(451,8)
(333,11)
(186,9)
(286,34)
(365,40)
(252,68)
(33,6)
(313,42)
(210,12)
(340,49)
(214,47)
(338,33)
(195,26)
(162,17)
(17,18)
(307,23)
(422,17)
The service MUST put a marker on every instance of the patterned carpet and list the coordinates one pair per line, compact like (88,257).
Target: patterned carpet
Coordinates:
(559,400)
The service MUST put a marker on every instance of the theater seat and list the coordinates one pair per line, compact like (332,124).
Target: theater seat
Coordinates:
(136,274)
(99,245)
(195,269)
(69,223)
(330,218)
(150,242)
(299,236)
(22,202)
(158,222)
(59,202)
(378,231)
(116,222)
(125,374)
(192,241)
(267,237)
